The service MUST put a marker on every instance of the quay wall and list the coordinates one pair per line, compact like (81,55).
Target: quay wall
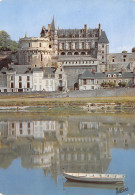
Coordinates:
(118,92)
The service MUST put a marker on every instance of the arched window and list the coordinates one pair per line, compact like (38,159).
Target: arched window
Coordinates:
(69,53)
(82,53)
(62,53)
(76,53)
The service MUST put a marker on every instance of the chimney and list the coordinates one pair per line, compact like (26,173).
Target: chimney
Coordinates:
(85,27)
(99,30)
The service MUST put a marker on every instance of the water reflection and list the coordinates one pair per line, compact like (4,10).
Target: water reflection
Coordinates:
(75,143)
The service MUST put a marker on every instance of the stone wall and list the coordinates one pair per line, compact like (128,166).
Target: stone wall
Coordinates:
(119,92)
(121,61)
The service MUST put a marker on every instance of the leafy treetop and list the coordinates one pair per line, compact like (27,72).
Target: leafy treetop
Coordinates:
(6,44)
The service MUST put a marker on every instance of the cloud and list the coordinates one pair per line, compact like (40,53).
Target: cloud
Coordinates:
(1,0)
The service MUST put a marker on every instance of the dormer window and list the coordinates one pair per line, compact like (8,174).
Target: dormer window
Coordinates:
(119,75)
(114,75)
(109,75)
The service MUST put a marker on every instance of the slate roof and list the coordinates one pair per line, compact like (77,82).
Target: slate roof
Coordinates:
(37,69)
(103,38)
(22,69)
(76,31)
(88,74)
(49,71)
(19,69)
(53,26)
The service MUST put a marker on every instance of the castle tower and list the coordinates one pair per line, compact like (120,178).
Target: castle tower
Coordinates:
(54,37)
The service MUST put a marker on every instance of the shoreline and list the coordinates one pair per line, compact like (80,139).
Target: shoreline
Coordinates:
(28,103)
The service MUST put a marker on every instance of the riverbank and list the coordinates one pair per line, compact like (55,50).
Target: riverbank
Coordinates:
(36,103)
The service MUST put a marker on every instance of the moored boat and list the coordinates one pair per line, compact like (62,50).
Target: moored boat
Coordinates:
(94,177)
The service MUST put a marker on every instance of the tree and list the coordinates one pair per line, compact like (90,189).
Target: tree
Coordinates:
(108,84)
(133,49)
(122,84)
(6,44)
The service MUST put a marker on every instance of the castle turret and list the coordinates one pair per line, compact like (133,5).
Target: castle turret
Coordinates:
(54,37)
(43,32)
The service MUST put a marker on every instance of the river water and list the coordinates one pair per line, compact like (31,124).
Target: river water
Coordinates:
(34,151)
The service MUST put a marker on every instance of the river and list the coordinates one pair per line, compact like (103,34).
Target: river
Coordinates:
(34,151)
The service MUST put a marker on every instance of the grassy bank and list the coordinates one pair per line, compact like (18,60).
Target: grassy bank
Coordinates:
(28,100)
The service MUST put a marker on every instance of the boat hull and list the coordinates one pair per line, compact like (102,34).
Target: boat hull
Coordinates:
(95,178)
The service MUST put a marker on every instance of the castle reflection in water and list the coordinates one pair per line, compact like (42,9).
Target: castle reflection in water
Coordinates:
(75,143)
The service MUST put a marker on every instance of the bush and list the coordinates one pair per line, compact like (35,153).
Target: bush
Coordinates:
(122,84)
(108,84)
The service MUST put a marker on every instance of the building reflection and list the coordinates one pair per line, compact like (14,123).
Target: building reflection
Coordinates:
(76,144)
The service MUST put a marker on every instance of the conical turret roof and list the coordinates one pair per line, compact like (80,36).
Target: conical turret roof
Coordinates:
(53,26)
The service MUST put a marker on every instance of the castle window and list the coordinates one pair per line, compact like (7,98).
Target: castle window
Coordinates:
(20,125)
(29,44)
(76,45)
(114,75)
(41,57)
(109,75)
(63,53)
(82,53)
(113,60)
(69,45)
(124,60)
(76,53)
(12,125)
(89,45)
(69,53)
(124,56)
(102,45)
(20,85)
(63,46)
(102,57)
(50,46)
(60,76)
(11,78)
(28,125)
(84,81)
(40,45)
(82,45)
(28,59)
(92,87)
(28,85)
(28,78)
(120,75)
(12,85)
(103,52)
(20,78)
(20,132)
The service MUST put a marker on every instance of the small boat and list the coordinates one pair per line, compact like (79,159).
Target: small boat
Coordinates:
(94,177)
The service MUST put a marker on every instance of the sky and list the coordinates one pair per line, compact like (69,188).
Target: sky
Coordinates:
(117,18)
